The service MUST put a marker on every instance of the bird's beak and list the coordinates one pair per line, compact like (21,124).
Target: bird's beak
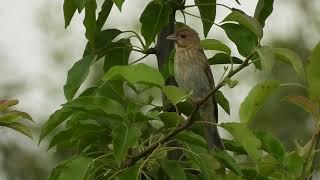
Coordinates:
(172,37)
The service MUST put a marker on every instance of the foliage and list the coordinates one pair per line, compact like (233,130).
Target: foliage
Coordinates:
(122,135)
(12,118)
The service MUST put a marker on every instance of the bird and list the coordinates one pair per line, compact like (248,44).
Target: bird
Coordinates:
(192,72)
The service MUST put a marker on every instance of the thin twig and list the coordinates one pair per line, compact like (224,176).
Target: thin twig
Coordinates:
(202,18)
(138,59)
(189,121)
(209,4)
(138,37)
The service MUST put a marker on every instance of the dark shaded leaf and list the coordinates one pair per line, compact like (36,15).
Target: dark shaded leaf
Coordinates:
(245,40)
(61,137)
(139,73)
(173,169)
(234,146)
(170,119)
(263,10)
(104,37)
(76,75)
(118,3)
(213,44)
(207,9)
(272,145)
(69,8)
(190,137)
(246,138)
(154,17)
(222,101)
(103,14)
(54,121)
(131,173)
(313,74)
(124,138)
(117,54)
(90,22)
(222,58)
(255,99)
(113,90)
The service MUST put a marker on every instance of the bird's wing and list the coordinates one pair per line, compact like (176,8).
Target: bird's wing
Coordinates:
(209,76)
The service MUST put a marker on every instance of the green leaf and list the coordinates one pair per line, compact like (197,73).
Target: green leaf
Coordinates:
(76,75)
(154,17)
(294,165)
(231,83)
(313,74)
(124,138)
(213,44)
(4,104)
(69,8)
(103,39)
(207,9)
(74,168)
(190,137)
(90,22)
(267,57)
(54,120)
(245,40)
(61,137)
(118,3)
(173,169)
(208,164)
(113,90)
(19,127)
(222,58)
(255,99)
(303,102)
(272,145)
(291,58)
(175,94)
(80,4)
(131,173)
(103,14)
(9,118)
(222,101)
(170,119)
(246,21)
(97,104)
(263,10)
(246,138)
(234,146)
(117,54)
(139,73)
(227,160)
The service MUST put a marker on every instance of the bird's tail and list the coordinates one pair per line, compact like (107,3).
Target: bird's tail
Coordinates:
(209,114)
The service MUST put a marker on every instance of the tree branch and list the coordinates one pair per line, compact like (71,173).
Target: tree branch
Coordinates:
(190,120)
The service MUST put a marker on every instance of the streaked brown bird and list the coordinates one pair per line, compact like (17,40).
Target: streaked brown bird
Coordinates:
(193,73)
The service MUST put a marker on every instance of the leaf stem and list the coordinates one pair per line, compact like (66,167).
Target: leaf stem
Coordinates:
(135,61)
(137,36)
(293,84)
(202,18)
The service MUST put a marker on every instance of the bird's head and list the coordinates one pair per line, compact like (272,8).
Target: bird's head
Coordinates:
(185,37)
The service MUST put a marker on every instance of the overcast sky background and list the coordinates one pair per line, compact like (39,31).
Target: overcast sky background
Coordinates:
(32,36)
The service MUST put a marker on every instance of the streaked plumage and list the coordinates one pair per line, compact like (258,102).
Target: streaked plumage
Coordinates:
(193,73)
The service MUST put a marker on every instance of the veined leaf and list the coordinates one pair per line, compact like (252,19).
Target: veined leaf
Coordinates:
(313,74)
(155,16)
(246,21)
(207,9)
(294,165)
(139,73)
(222,58)
(76,75)
(246,138)
(267,57)
(272,145)
(212,44)
(124,138)
(255,99)
(19,127)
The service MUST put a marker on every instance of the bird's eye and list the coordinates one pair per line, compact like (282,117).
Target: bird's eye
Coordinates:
(183,36)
